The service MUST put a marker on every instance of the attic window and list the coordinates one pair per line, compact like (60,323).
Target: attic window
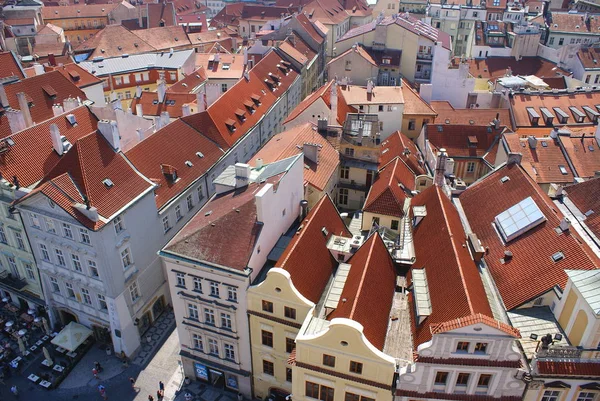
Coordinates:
(169,172)
(200,154)
(188,163)
(255,99)
(563,170)
(519,219)
(71,119)
(558,256)
(74,75)
(249,105)
(49,91)
(447,121)
(591,148)
(578,115)
(472,140)
(241,114)
(324,231)
(547,115)
(226,66)
(440,128)
(230,124)
(107,183)
(561,115)
(534,117)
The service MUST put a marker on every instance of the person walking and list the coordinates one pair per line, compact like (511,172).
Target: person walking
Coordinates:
(150,398)
(98,366)
(132,381)
(159,396)
(15,391)
(102,391)
(95,373)
(240,397)
(161,388)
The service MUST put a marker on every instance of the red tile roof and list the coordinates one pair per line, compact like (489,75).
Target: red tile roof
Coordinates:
(455,139)
(452,276)
(359,50)
(81,172)
(160,14)
(589,56)
(542,163)
(77,11)
(40,102)
(172,103)
(399,145)
(453,396)
(472,361)
(306,257)
(414,104)
(578,147)
(569,368)
(316,34)
(215,70)
(78,76)
(106,43)
(174,144)
(475,319)
(190,83)
(585,196)
(369,290)
(568,22)
(386,196)
(495,67)
(290,142)
(449,115)
(32,156)
(164,38)
(9,66)
(531,262)
(322,93)
(328,12)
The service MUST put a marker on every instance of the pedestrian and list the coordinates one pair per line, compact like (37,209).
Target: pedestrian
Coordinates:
(159,395)
(188,397)
(150,398)
(132,381)
(161,387)
(98,366)
(15,391)
(95,373)
(102,391)
(240,397)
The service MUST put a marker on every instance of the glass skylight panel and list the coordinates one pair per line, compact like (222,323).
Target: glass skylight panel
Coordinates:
(519,219)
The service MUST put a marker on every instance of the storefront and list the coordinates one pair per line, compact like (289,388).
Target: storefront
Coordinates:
(216,374)
(216,378)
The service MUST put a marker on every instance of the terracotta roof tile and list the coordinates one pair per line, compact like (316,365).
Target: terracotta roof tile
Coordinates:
(495,67)
(215,69)
(9,66)
(452,276)
(386,196)
(453,396)
(328,12)
(542,163)
(399,145)
(369,290)
(356,95)
(174,144)
(568,368)
(475,319)
(579,150)
(77,11)
(473,361)
(160,14)
(449,115)
(41,103)
(413,103)
(164,38)
(589,56)
(106,43)
(311,29)
(455,139)
(32,156)
(78,76)
(290,142)
(172,103)
(568,22)
(585,196)
(306,257)
(531,261)
(322,93)
(359,50)
(190,83)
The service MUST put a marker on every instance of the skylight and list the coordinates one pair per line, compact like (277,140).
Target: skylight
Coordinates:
(563,170)
(519,219)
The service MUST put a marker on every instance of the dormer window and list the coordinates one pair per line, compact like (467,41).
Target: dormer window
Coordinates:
(256,99)
(249,105)
(241,114)
(462,346)
(49,91)
(169,172)
(481,348)
(561,115)
(230,125)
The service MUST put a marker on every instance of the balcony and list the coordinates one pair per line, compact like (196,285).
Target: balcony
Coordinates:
(351,184)
(425,57)
(423,77)
(9,280)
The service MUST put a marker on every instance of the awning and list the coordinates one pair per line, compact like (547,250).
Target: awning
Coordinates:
(72,336)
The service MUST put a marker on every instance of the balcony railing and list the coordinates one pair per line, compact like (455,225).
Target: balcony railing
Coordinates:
(8,279)
(424,56)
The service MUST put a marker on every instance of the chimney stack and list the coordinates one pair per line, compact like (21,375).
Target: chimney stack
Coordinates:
(140,134)
(157,123)
(51,59)
(70,103)
(161,89)
(201,101)
(16,120)
(242,174)
(514,158)
(185,110)
(245,57)
(110,131)
(532,140)
(24,106)
(3,97)
(165,119)
(497,121)
(440,168)
(311,152)
(56,141)
(139,111)
(333,99)
(57,110)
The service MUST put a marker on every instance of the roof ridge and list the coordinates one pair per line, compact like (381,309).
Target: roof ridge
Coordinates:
(364,274)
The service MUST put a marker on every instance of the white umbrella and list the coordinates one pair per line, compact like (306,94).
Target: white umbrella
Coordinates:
(46,326)
(47,356)
(21,345)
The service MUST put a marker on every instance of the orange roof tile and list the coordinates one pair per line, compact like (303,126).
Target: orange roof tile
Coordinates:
(369,290)
(229,66)
(542,163)
(531,262)
(160,14)
(328,12)
(164,38)
(589,56)
(114,41)
(455,139)
(306,257)
(290,142)
(359,50)
(322,93)
(77,11)
(386,195)
(174,144)
(584,153)
(413,103)
(569,22)
(189,83)
(356,95)
(315,33)
(10,67)
(585,196)
(495,67)
(449,115)
(568,368)
(172,103)
(475,319)
(452,276)
(78,76)
(399,145)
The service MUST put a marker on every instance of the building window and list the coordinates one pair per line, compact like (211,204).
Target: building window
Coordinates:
(551,395)
(134,292)
(193,312)
(213,347)
(349,152)
(102,302)
(126,258)
(70,292)
(209,316)
(343,196)
(463,379)
(585,396)
(85,236)
(214,289)
(68,233)
(20,242)
(356,367)
(86,296)
(267,306)
(178,215)
(190,202)
(93,268)
(226,321)
(223,88)
(197,284)
(462,346)
(395,224)
(54,285)
(289,345)
(356,397)
(232,294)
(35,220)
(76,263)
(200,191)
(288,375)
(166,224)
(51,227)
(329,360)
(484,380)
(561,41)
(229,352)
(180,279)
(440,378)
(43,249)
(268,368)
(118,224)
(197,342)
(60,258)
(345,172)
(290,313)
(267,338)
(481,348)
(412,124)
(3,238)
(29,271)
(312,390)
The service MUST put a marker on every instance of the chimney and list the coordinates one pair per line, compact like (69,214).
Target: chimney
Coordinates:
(140,134)
(370,87)
(70,103)
(89,211)
(565,224)
(185,110)
(157,123)
(57,110)
(242,174)
(110,131)
(139,111)
(532,140)
(311,152)
(165,119)
(56,141)
(161,89)
(213,91)
(3,97)
(497,121)
(440,168)
(554,133)
(16,120)
(24,106)
(245,56)
(138,91)
(333,99)
(514,158)
(258,163)
(51,59)
(201,101)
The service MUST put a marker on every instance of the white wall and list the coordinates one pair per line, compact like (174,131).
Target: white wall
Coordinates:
(453,85)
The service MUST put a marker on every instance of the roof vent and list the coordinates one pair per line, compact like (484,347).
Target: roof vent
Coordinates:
(108,183)
(558,256)
(565,224)
(504,179)
(188,163)
(324,231)
(71,119)
(508,255)
(200,154)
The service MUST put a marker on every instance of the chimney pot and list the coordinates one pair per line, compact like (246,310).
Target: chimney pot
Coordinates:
(24,106)
(514,158)
(110,131)
(56,141)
